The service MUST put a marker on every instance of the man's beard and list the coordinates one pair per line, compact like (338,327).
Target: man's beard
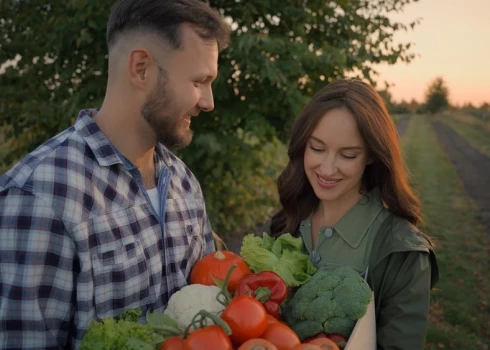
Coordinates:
(163,118)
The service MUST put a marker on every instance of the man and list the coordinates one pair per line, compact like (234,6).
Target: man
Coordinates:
(103,217)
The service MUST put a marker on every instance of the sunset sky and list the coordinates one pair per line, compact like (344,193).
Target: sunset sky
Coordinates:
(452,41)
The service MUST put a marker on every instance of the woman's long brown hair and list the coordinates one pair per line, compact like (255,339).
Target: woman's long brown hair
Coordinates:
(387,172)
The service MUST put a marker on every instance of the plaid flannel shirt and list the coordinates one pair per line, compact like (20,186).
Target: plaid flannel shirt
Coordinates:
(80,240)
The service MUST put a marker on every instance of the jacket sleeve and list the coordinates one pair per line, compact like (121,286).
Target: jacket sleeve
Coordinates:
(403,297)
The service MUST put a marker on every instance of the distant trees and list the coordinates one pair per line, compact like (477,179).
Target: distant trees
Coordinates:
(482,112)
(401,107)
(437,96)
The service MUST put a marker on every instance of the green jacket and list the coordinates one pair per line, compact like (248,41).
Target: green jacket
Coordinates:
(400,263)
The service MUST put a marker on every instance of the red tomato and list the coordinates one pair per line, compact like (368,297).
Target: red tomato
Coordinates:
(306,346)
(271,319)
(217,265)
(281,335)
(257,344)
(173,343)
(325,343)
(208,338)
(246,317)
(337,338)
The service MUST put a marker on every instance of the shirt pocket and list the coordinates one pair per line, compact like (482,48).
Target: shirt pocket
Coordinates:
(119,265)
(184,233)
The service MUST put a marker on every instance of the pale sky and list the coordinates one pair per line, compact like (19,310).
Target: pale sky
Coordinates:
(452,41)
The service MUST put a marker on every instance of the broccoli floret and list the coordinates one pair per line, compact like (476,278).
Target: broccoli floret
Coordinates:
(301,299)
(306,329)
(334,299)
(321,309)
(345,271)
(353,296)
(339,325)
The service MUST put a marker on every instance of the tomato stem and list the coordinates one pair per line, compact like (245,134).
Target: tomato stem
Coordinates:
(224,295)
(200,318)
(219,255)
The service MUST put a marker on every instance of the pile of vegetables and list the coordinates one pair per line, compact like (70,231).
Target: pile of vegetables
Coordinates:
(269,297)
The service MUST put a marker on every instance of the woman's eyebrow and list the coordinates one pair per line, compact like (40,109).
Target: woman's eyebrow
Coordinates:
(342,148)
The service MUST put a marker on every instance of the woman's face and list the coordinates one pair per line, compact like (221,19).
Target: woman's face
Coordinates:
(336,156)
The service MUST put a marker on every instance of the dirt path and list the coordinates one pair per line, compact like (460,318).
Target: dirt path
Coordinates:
(473,168)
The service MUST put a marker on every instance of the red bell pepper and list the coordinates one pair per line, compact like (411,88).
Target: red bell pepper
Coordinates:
(267,287)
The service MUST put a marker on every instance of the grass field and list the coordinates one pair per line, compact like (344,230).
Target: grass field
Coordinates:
(460,311)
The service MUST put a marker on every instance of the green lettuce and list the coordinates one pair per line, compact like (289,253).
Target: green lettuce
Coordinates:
(126,333)
(283,255)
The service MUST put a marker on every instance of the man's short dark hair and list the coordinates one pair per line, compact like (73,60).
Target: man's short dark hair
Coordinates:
(165,17)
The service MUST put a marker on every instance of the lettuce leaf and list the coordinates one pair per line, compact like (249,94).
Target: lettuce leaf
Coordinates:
(283,255)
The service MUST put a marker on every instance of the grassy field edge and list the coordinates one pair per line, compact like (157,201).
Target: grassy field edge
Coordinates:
(460,312)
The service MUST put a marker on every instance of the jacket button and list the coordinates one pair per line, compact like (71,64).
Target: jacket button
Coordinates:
(328,232)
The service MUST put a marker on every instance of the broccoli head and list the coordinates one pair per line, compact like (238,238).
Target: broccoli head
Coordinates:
(329,302)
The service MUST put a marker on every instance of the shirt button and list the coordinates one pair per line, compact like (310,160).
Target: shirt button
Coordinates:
(315,258)
(328,232)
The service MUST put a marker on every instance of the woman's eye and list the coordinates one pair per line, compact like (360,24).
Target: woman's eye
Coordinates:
(314,149)
(348,157)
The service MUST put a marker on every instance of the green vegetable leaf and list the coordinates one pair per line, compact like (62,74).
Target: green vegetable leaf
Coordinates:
(286,242)
(284,256)
(268,242)
(131,315)
(294,267)
(137,344)
(257,257)
(163,324)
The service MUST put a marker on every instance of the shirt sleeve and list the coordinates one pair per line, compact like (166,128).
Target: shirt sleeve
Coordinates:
(403,300)
(36,274)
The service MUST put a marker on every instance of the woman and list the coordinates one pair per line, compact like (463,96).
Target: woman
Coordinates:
(346,193)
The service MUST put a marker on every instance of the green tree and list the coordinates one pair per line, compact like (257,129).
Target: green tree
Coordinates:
(436,96)
(281,52)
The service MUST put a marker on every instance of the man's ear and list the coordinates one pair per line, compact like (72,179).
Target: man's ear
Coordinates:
(139,62)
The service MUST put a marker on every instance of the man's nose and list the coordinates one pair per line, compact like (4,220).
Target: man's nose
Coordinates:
(206,103)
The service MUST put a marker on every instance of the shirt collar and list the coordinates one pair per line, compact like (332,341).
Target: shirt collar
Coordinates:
(352,227)
(97,141)
(105,152)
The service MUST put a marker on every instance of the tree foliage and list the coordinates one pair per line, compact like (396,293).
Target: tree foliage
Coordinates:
(281,52)
(437,96)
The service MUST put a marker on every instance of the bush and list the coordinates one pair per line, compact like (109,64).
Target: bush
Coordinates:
(246,193)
